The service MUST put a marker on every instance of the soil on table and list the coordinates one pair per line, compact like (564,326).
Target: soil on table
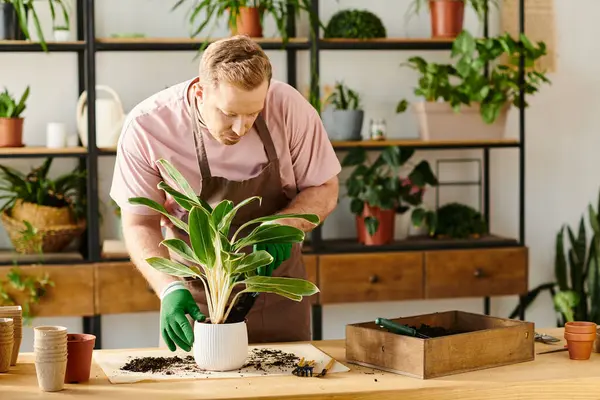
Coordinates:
(259,360)
(435,331)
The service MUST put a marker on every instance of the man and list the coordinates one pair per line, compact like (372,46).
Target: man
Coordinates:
(233,132)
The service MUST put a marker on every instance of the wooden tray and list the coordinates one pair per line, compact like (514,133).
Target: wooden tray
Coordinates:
(486,342)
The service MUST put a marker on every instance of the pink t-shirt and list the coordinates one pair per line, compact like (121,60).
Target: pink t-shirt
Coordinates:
(161,127)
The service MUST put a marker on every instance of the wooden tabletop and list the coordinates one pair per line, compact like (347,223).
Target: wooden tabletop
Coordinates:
(550,376)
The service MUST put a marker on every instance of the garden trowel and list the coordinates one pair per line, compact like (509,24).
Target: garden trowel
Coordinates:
(242,307)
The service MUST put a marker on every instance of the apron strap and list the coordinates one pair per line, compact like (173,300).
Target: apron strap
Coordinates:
(265,136)
(202,159)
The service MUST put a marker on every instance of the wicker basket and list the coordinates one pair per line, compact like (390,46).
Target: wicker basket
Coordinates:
(41,216)
(54,238)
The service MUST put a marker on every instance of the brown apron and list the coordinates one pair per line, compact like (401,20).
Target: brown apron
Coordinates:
(273,318)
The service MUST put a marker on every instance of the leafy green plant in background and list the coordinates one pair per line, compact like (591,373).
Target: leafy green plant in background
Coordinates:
(464,82)
(36,187)
(10,107)
(481,7)
(344,98)
(24,8)
(458,221)
(355,24)
(216,257)
(379,184)
(576,289)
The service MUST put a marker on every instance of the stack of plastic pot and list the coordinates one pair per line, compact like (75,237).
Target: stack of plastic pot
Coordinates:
(16,314)
(6,343)
(580,336)
(50,349)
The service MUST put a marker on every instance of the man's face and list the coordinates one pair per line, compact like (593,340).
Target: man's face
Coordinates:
(228,111)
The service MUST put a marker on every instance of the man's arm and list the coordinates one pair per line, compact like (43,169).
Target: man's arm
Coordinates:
(142,236)
(320,200)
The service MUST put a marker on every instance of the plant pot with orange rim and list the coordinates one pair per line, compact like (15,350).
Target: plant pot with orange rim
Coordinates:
(11,120)
(580,345)
(378,192)
(248,21)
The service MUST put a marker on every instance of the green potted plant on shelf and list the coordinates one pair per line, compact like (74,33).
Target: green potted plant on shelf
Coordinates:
(354,24)
(447,16)
(19,10)
(11,118)
(55,208)
(343,114)
(244,17)
(378,192)
(217,257)
(460,101)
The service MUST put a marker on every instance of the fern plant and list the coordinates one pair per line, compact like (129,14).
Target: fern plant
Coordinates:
(216,255)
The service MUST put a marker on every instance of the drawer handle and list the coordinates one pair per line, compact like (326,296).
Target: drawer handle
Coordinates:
(373,279)
(478,273)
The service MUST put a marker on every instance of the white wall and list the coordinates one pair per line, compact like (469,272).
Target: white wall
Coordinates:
(560,177)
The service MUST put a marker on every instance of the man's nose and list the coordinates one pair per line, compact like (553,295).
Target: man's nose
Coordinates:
(238,126)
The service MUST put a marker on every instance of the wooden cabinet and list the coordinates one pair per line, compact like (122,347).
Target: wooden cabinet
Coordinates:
(350,278)
(470,273)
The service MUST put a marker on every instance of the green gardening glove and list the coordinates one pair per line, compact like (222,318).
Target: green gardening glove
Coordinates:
(176,302)
(279,251)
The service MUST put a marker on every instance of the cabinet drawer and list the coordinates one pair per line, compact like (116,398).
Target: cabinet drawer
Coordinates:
(350,278)
(121,288)
(476,273)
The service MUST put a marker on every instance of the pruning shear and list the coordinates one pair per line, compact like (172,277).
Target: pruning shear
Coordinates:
(546,339)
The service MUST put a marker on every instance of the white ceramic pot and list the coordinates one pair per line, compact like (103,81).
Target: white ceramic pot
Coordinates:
(62,35)
(220,347)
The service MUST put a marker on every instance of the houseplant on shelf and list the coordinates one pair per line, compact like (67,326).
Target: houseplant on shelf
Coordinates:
(11,120)
(460,101)
(343,116)
(20,10)
(244,17)
(354,24)
(54,208)
(378,192)
(447,16)
(216,257)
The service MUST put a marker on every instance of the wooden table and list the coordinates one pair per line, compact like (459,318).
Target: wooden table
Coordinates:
(550,376)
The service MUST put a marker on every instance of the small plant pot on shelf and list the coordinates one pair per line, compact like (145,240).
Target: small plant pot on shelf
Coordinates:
(80,348)
(447,18)
(62,35)
(343,125)
(248,23)
(438,121)
(385,230)
(220,347)
(580,345)
(11,132)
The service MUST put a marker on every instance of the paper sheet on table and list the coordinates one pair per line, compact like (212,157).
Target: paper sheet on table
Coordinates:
(112,360)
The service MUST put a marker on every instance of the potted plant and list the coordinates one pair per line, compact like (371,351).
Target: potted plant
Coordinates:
(20,11)
(54,208)
(62,33)
(245,17)
(343,116)
(216,257)
(354,24)
(378,192)
(447,16)
(461,102)
(11,120)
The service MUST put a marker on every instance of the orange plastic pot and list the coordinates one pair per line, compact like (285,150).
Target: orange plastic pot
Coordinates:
(80,348)
(580,327)
(580,345)
(385,231)
(446,18)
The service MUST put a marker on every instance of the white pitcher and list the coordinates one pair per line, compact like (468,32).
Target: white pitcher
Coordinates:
(110,117)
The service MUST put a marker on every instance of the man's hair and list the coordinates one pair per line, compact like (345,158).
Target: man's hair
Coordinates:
(237,60)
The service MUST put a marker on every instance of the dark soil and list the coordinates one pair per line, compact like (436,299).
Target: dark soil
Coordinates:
(435,331)
(262,360)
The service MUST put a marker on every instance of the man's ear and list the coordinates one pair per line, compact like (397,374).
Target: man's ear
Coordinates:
(198,90)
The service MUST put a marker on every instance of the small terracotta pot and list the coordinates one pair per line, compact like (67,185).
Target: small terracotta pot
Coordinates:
(580,327)
(248,23)
(580,345)
(11,132)
(446,18)
(385,231)
(80,348)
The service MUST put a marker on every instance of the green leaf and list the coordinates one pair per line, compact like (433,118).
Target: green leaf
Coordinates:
(560,262)
(182,200)
(402,106)
(171,267)
(357,206)
(270,234)
(252,262)
(282,286)
(181,248)
(422,175)
(220,211)
(594,222)
(142,201)
(202,236)
(178,178)
(418,216)
(372,225)
(354,157)
(312,218)
(225,223)
(565,302)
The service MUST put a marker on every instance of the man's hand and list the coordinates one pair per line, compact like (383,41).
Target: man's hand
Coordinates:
(279,252)
(176,302)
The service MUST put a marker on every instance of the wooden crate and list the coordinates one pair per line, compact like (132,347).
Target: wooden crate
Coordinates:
(486,342)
